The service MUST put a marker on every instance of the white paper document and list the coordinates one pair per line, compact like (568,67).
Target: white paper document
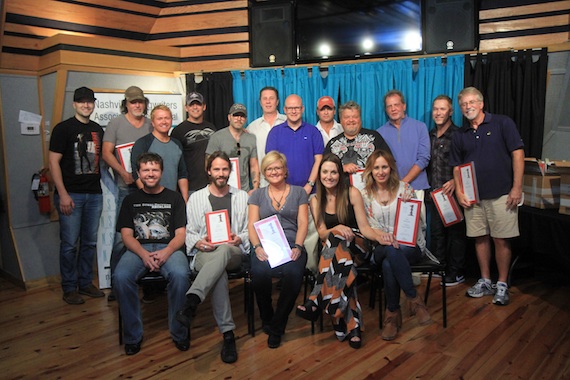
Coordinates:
(446,207)
(124,153)
(357,181)
(407,221)
(469,182)
(218,226)
(235,179)
(273,240)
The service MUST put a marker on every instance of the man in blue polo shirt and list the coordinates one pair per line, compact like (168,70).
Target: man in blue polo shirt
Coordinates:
(408,139)
(300,142)
(493,143)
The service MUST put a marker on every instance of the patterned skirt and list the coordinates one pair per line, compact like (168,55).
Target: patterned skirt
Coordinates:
(335,287)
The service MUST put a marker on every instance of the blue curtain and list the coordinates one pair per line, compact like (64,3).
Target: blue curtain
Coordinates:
(365,83)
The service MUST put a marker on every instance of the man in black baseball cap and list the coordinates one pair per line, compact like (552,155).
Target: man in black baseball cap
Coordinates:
(84,94)
(74,158)
(194,134)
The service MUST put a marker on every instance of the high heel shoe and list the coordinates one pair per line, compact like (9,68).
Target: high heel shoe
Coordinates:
(311,312)
(355,333)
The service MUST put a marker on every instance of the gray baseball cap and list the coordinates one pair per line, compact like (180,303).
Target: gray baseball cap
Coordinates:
(238,108)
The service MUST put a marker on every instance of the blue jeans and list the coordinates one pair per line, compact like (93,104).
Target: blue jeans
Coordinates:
(129,270)
(396,272)
(81,226)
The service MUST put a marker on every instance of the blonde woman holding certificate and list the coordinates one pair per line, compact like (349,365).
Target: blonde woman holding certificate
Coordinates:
(290,204)
(383,188)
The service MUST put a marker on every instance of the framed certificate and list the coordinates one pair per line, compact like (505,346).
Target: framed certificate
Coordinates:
(356,179)
(235,178)
(447,208)
(218,227)
(124,153)
(469,182)
(273,240)
(407,221)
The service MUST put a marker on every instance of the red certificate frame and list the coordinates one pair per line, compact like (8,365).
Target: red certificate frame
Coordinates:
(469,182)
(359,184)
(124,153)
(435,194)
(221,234)
(400,213)
(235,175)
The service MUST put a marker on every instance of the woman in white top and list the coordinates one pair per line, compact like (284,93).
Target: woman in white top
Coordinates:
(383,187)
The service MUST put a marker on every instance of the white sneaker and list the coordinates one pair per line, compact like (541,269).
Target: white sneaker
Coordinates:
(502,295)
(480,289)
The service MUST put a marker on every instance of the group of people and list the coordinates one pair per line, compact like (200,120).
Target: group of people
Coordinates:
(335,183)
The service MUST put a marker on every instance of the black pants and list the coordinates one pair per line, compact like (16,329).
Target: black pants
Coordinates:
(447,243)
(291,275)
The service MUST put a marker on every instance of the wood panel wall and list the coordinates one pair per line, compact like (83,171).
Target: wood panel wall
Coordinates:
(204,35)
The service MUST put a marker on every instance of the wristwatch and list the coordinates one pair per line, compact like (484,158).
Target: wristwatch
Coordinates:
(311,183)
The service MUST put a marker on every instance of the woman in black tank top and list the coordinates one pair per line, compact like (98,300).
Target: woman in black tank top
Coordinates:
(338,211)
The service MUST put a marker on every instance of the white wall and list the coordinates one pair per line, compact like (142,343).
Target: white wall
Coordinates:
(556,143)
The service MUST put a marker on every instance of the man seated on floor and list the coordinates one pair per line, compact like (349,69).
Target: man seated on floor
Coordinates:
(212,260)
(151,222)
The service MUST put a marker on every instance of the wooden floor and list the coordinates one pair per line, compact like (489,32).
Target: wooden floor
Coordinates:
(41,337)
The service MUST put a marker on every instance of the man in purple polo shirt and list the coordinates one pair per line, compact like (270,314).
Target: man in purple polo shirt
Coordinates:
(300,142)
(493,143)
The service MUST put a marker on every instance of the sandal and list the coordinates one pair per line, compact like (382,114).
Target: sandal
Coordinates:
(311,312)
(355,333)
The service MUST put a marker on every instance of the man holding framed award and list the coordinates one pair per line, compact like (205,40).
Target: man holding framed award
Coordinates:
(494,148)
(217,238)
(447,227)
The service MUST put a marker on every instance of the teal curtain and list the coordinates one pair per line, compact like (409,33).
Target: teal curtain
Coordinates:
(366,83)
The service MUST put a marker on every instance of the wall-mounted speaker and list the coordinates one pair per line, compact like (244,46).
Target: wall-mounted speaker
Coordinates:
(271,37)
(450,25)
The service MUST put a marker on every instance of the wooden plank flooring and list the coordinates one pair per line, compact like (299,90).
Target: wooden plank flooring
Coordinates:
(41,337)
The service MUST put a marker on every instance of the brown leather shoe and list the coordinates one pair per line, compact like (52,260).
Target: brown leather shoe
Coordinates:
(419,309)
(91,291)
(73,298)
(391,325)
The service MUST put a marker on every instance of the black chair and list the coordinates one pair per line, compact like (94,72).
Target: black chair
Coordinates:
(425,266)
(243,272)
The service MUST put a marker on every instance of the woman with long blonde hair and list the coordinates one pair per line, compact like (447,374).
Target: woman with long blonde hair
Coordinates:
(381,193)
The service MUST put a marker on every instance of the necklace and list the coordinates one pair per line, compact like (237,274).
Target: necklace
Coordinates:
(384,205)
(277,202)
(384,202)
(385,219)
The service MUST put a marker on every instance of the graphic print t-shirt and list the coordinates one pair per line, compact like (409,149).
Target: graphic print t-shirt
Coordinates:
(153,217)
(80,146)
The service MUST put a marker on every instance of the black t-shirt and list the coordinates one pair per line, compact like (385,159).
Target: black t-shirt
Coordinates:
(194,139)
(153,217)
(80,146)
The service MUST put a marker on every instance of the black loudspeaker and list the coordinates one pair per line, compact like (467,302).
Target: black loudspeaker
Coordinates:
(271,38)
(450,25)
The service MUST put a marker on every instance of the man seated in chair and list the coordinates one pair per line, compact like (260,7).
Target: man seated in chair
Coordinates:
(151,223)
(213,258)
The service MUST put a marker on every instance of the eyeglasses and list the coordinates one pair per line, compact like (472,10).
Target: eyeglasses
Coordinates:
(274,169)
(238,149)
(469,103)
(295,109)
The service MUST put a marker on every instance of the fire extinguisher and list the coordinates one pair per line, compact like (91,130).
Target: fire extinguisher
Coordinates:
(40,187)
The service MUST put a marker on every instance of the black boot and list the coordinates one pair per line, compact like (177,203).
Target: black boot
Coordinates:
(185,315)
